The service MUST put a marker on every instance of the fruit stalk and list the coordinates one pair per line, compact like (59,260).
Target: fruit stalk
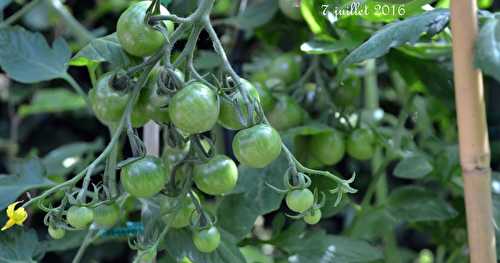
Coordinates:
(473,133)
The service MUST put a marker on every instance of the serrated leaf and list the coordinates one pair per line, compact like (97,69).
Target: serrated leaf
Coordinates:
(397,34)
(64,159)
(258,13)
(413,167)
(488,48)
(28,58)
(25,175)
(317,246)
(179,244)
(414,204)
(103,49)
(18,246)
(252,197)
(52,101)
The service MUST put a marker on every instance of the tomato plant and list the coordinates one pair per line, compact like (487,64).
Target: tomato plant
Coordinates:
(249,131)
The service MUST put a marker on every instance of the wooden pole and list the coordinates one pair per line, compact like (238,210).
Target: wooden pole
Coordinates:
(473,133)
(151,137)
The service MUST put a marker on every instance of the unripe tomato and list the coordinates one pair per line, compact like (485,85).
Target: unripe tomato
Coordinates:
(144,177)
(194,109)
(109,104)
(207,240)
(299,200)
(361,144)
(291,8)
(229,117)
(285,67)
(266,97)
(56,233)
(313,216)
(79,217)
(106,216)
(286,114)
(257,146)
(328,147)
(218,176)
(184,214)
(135,35)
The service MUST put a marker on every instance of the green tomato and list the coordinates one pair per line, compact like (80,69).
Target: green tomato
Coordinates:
(299,200)
(312,216)
(56,233)
(360,144)
(184,214)
(229,117)
(257,146)
(109,104)
(291,8)
(285,67)
(144,177)
(266,97)
(218,176)
(79,217)
(286,114)
(207,240)
(328,147)
(135,35)
(106,216)
(194,109)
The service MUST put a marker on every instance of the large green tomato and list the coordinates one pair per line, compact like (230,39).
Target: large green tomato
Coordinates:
(106,216)
(286,114)
(229,117)
(79,217)
(218,176)
(291,8)
(184,214)
(285,67)
(328,147)
(109,104)
(207,240)
(361,144)
(257,146)
(144,177)
(299,200)
(194,109)
(135,35)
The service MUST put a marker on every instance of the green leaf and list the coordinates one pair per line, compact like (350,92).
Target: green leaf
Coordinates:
(27,57)
(252,197)
(414,204)
(18,246)
(4,4)
(312,14)
(488,48)
(258,13)
(254,254)
(179,244)
(25,175)
(317,246)
(207,60)
(71,240)
(397,34)
(52,101)
(317,47)
(104,49)
(413,167)
(64,159)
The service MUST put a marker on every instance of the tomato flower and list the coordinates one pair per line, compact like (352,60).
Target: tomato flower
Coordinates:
(16,216)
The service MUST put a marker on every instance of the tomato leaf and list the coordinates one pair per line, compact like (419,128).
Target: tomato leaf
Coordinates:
(414,204)
(52,101)
(398,34)
(18,245)
(318,47)
(28,58)
(258,13)
(179,244)
(71,240)
(64,159)
(317,246)
(488,48)
(413,167)
(252,197)
(103,49)
(25,175)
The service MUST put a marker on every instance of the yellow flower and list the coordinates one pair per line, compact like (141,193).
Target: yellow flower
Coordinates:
(16,216)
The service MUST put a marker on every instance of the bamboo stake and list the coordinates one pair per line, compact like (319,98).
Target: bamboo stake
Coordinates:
(473,133)
(151,137)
